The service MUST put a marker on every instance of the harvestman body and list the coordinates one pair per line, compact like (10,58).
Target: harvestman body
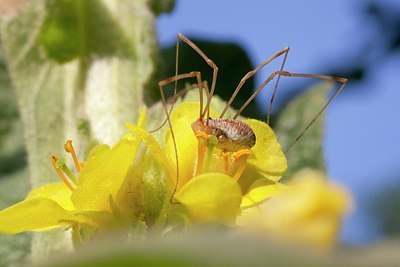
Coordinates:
(233,135)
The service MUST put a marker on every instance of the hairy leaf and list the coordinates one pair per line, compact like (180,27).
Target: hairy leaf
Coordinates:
(308,151)
(72,61)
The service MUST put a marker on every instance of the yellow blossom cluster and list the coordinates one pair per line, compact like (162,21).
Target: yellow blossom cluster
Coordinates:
(140,181)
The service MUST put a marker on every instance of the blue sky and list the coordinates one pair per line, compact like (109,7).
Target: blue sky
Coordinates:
(362,128)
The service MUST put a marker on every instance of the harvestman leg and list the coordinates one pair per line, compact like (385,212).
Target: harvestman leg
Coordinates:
(284,51)
(210,63)
(190,87)
(176,78)
(182,37)
(183,76)
(161,84)
(343,82)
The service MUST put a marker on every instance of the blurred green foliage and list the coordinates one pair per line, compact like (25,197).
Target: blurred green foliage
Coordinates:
(12,151)
(385,206)
(74,28)
(217,247)
(293,119)
(14,182)
(161,6)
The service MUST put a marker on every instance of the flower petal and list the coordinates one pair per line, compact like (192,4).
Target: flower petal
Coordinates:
(211,197)
(58,192)
(103,175)
(259,191)
(181,119)
(309,211)
(267,157)
(157,151)
(38,214)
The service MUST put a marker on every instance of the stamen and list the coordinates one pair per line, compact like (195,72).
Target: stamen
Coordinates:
(212,141)
(202,137)
(54,160)
(241,155)
(61,165)
(70,149)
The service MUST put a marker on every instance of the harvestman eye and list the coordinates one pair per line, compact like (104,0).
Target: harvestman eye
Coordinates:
(239,134)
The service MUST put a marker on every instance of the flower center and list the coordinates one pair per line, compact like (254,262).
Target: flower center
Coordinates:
(206,145)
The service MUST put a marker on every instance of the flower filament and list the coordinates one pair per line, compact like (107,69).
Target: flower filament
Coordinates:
(63,170)
(206,145)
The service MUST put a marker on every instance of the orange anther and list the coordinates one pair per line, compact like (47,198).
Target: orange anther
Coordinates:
(70,149)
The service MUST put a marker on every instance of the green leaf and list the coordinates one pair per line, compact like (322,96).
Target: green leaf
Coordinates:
(12,152)
(53,98)
(75,28)
(67,67)
(160,6)
(308,151)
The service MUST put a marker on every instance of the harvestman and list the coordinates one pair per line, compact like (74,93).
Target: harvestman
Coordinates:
(233,135)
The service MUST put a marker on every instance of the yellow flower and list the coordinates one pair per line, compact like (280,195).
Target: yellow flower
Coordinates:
(132,183)
(216,193)
(308,211)
(93,201)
